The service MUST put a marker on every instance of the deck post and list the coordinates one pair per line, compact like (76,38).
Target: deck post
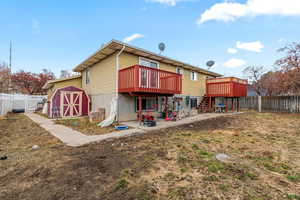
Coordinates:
(166,107)
(226,102)
(209,103)
(140,108)
(232,104)
(238,104)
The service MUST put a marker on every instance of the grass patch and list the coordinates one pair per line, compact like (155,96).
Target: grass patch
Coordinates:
(293,197)
(224,187)
(121,184)
(293,178)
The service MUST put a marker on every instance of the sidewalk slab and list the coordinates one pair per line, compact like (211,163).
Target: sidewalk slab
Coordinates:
(75,138)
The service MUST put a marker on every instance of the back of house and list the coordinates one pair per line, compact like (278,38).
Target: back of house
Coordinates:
(128,73)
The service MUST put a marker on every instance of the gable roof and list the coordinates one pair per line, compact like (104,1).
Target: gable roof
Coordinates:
(114,45)
(50,83)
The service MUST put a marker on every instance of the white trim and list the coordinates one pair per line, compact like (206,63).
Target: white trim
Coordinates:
(196,76)
(147,59)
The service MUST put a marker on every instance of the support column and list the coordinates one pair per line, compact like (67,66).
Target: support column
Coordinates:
(166,107)
(238,104)
(232,104)
(140,108)
(209,103)
(226,103)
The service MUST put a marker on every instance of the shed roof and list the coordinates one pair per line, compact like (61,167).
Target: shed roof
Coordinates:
(114,45)
(50,83)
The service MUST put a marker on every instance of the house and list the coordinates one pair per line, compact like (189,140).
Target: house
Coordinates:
(138,79)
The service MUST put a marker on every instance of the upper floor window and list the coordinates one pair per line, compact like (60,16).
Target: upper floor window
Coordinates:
(87,76)
(148,63)
(194,76)
(179,70)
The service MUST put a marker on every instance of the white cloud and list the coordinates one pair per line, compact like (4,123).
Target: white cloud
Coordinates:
(133,37)
(281,40)
(234,62)
(250,46)
(35,26)
(232,50)
(229,11)
(168,2)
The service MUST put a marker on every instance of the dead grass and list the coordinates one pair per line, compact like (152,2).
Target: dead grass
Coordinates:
(83,125)
(175,163)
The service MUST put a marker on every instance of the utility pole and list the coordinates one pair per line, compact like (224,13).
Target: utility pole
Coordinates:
(9,66)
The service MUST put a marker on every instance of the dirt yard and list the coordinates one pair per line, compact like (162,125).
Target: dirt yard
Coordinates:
(85,126)
(175,163)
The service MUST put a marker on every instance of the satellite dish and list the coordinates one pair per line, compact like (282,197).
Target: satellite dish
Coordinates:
(161,47)
(210,63)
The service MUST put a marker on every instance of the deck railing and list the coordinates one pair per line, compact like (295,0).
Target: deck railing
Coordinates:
(226,87)
(139,78)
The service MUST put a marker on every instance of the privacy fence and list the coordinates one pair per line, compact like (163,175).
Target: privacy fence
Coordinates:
(272,103)
(8,102)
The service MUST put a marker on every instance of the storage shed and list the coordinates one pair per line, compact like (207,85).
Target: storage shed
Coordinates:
(68,102)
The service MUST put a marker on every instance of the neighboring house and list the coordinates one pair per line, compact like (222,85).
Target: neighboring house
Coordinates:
(130,73)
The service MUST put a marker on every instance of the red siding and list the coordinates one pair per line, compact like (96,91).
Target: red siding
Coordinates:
(144,79)
(226,87)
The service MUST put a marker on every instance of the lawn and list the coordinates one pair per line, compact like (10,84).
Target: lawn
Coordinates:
(174,163)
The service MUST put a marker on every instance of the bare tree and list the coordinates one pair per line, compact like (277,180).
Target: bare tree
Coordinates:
(4,77)
(64,74)
(290,67)
(254,74)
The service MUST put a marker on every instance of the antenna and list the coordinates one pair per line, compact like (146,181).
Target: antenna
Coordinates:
(161,47)
(209,64)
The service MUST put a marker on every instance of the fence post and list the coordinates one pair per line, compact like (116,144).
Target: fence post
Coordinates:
(259,103)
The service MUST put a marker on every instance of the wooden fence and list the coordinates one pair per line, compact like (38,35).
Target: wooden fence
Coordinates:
(272,103)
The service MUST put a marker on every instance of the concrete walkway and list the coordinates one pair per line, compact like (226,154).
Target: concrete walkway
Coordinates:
(75,138)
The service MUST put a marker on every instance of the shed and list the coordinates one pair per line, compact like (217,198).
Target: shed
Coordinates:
(68,102)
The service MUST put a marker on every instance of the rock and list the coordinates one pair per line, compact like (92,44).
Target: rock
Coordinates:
(35,147)
(3,157)
(222,157)
(191,126)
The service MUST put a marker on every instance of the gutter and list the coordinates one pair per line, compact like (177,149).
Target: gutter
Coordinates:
(117,81)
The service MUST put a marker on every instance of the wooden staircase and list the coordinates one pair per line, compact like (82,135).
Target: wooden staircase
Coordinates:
(204,105)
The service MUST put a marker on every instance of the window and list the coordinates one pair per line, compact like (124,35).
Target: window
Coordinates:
(148,63)
(193,102)
(148,104)
(194,76)
(87,76)
(179,70)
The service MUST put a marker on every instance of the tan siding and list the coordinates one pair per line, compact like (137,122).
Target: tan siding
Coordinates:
(102,77)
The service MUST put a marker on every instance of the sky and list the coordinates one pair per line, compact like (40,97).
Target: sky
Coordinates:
(58,35)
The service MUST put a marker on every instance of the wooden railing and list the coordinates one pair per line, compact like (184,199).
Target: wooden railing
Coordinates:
(139,78)
(226,87)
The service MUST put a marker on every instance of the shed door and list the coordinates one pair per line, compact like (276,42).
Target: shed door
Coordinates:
(70,104)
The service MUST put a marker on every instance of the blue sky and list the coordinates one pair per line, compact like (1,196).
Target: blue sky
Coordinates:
(60,34)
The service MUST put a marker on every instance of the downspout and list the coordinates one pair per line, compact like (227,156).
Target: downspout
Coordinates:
(117,81)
